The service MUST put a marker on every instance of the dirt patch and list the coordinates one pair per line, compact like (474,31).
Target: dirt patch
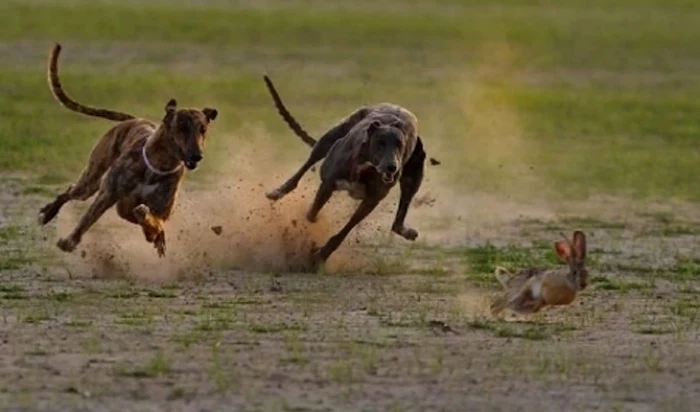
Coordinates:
(250,338)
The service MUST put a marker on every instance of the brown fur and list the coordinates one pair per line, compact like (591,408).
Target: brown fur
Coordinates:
(532,289)
(118,173)
(366,154)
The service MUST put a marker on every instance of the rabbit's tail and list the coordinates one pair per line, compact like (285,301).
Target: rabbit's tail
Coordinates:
(497,273)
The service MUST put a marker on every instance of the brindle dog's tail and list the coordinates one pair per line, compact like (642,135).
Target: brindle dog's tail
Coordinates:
(66,101)
(291,121)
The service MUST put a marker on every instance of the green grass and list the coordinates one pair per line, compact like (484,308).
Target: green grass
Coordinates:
(482,260)
(13,253)
(158,365)
(569,99)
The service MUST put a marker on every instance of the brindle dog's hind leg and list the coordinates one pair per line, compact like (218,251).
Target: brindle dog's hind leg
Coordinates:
(411,179)
(104,200)
(101,158)
(319,151)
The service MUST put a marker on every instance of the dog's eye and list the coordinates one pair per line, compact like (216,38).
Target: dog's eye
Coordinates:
(202,130)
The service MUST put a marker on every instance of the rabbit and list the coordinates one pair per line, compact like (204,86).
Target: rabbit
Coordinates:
(532,289)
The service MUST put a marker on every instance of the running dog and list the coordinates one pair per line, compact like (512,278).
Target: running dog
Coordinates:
(366,154)
(137,165)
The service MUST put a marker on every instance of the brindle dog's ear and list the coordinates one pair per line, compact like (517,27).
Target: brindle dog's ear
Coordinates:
(170,109)
(210,113)
(373,127)
(171,106)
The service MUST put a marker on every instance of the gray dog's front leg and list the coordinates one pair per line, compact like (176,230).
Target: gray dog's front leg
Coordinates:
(362,211)
(410,182)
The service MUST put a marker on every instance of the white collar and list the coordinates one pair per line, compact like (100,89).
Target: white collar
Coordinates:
(153,168)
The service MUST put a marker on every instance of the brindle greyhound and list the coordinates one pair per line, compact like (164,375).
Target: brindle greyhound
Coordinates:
(365,155)
(136,165)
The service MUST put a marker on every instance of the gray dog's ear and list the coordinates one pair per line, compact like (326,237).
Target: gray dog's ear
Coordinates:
(373,127)
(210,113)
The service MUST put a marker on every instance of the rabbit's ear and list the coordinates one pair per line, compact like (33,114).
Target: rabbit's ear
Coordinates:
(579,245)
(563,250)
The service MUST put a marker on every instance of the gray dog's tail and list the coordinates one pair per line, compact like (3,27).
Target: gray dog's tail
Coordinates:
(66,101)
(291,121)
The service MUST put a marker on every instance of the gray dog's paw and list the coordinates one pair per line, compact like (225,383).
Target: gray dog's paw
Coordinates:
(66,244)
(311,218)
(407,233)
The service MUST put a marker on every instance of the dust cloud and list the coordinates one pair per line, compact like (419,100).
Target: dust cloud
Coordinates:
(259,235)
(253,232)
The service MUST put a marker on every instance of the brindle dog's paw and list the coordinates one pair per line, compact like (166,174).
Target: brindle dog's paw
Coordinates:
(47,213)
(274,194)
(407,233)
(159,244)
(66,244)
(140,212)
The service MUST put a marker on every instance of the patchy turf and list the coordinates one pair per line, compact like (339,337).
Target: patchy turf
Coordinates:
(567,100)
(415,336)
(547,117)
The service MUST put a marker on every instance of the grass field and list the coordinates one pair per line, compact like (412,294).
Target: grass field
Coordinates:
(548,117)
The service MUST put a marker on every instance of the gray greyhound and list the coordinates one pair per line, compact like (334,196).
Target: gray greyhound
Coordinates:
(365,155)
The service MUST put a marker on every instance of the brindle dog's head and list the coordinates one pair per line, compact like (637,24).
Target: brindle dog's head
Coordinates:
(188,129)
(386,149)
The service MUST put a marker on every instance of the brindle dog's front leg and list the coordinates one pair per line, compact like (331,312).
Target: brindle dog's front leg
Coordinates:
(152,219)
(152,227)
(411,179)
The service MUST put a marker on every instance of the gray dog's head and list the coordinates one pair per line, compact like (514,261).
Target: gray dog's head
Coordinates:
(386,149)
(188,129)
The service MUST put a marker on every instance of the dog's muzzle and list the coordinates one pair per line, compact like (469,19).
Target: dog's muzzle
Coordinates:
(192,161)
(387,178)
(388,174)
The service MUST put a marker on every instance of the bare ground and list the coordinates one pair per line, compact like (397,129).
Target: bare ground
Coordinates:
(232,330)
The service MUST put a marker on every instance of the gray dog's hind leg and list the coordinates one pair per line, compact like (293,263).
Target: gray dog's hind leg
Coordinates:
(411,179)
(319,151)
